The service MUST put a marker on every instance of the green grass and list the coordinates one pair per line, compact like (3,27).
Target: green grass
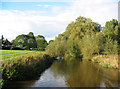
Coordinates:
(11,51)
(7,57)
(25,66)
(119,70)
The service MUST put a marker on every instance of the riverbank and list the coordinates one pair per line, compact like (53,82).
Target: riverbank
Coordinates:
(25,67)
(107,61)
(74,73)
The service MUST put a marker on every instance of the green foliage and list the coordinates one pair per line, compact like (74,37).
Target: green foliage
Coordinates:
(25,67)
(70,43)
(85,38)
(25,41)
(41,42)
(2,38)
(119,70)
(53,47)
(90,45)
(106,65)
(110,46)
(111,29)
(4,42)
(51,41)
(114,67)
(72,49)
(96,60)
(31,34)
(30,41)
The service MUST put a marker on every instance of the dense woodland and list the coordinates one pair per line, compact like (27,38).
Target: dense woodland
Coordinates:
(85,38)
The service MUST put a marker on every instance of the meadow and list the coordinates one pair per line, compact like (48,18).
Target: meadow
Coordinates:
(19,53)
(11,51)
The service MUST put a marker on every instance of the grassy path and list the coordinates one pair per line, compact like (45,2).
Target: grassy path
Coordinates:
(2,52)
(14,53)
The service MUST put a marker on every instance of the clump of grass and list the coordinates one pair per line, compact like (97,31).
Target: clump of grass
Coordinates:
(119,70)
(114,67)
(96,60)
(25,67)
(107,61)
(106,66)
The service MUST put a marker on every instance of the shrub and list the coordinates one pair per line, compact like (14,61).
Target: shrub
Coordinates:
(25,67)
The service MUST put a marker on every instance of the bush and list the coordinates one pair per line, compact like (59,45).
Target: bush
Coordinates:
(25,68)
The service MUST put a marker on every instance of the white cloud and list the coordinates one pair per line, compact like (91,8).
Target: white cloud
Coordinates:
(98,10)
(56,8)
(46,6)
(49,38)
(13,23)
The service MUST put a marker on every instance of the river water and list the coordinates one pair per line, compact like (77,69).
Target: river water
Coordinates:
(73,74)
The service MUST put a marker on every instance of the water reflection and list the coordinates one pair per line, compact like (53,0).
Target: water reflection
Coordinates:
(73,74)
(48,80)
(85,74)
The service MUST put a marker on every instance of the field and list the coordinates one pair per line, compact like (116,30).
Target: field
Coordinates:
(19,53)
(11,51)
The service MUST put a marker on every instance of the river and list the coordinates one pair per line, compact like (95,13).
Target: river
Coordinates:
(73,74)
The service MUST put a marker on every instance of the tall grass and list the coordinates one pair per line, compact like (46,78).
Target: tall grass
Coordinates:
(25,67)
(107,61)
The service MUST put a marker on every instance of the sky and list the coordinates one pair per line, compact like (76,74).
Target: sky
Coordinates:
(51,17)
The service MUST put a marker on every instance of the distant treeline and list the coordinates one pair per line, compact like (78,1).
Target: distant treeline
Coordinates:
(23,41)
(85,38)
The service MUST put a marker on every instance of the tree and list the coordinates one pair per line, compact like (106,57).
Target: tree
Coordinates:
(67,43)
(41,42)
(112,39)
(111,29)
(2,38)
(110,46)
(31,34)
(51,41)
(6,42)
(26,41)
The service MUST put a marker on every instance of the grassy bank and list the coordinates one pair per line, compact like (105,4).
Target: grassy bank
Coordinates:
(11,51)
(7,57)
(106,61)
(25,67)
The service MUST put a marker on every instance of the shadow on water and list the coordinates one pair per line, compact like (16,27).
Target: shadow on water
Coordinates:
(73,74)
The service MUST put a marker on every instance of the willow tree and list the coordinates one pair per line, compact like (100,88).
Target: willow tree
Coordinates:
(68,43)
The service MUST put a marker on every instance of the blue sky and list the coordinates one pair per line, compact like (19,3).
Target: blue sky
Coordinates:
(34,6)
(31,5)
(51,17)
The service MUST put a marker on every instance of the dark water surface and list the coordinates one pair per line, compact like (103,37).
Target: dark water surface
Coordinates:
(73,74)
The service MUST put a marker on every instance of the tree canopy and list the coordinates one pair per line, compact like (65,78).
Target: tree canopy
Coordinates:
(41,42)
(30,41)
(85,38)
